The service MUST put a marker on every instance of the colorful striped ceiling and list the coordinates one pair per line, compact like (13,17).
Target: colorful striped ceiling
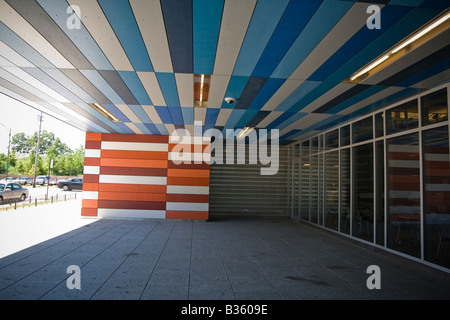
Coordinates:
(284,61)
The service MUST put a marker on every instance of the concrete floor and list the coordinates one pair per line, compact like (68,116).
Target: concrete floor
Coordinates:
(225,259)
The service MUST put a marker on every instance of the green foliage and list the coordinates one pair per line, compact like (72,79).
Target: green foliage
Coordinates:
(66,162)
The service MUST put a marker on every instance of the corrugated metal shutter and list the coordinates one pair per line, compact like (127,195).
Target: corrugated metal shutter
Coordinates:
(241,190)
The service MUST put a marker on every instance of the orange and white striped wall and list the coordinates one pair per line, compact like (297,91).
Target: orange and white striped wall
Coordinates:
(138,176)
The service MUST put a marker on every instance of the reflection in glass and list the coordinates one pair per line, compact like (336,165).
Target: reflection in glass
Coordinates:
(402,117)
(379,125)
(321,188)
(379,175)
(314,145)
(362,221)
(314,209)
(331,204)
(345,135)
(296,190)
(362,130)
(403,183)
(434,107)
(345,191)
(436,166)
(332,139)
(305,183)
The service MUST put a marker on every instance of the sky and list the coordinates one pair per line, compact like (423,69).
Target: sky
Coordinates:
(20,117)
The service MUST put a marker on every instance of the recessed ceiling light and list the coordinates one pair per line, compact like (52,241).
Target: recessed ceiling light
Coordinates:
(104,111)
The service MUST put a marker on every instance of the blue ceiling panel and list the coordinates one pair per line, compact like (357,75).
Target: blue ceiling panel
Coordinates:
(121,19)
(207,16)
(286,62)
(297,15)
(265,18)
(178,21)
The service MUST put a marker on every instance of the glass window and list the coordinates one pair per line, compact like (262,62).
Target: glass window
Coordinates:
(362,221)
(362,130)
(304,188)
(402,117)
(379,182)
(332,139)
(434,107)
(331,194)
(345,136)
(314,144)
(314,206)
(403,194)
(345,191)
(379,125)
(436,167)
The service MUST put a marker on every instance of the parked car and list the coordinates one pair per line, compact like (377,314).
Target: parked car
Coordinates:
(55,181)
(12,191)
(42,180)
(73,183)
(23,180)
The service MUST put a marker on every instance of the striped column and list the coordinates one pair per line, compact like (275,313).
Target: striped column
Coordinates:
(133,176)
(188,182)
(91,174)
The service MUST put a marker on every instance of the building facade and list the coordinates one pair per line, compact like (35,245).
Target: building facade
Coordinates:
(383,179)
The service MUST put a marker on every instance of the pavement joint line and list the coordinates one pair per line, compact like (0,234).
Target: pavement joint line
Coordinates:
(65,279)
(156,263)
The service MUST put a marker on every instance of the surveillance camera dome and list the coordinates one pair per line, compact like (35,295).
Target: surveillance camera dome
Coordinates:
(230,100)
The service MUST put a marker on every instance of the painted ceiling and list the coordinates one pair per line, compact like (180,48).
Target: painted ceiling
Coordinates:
(284,61)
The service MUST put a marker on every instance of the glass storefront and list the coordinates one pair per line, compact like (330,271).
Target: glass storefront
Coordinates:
(383,178)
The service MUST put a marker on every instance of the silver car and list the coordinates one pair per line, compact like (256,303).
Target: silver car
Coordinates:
(12,191)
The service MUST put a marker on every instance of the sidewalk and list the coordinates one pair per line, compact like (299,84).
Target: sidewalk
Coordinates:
(27,226)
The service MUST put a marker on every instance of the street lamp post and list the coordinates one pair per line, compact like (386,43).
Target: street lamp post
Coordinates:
(9,146)
(37,150)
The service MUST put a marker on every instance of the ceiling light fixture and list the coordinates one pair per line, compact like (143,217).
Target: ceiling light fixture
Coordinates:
(104,111)
(416,39)
(244,132)
(201,89)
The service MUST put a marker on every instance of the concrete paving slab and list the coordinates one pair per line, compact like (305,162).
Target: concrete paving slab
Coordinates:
(225,259)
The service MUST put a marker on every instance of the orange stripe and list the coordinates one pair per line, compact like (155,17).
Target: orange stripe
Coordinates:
(135,137)
(93,136)
(132,154)
(138,163)
(87,186)
(177,181)
(91,161)
(188,173)
(117,187)
(88,212)
(197,198)
(89,203)
(197,215)
(131,196)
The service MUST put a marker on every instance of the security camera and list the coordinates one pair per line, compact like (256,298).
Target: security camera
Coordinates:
(230,100)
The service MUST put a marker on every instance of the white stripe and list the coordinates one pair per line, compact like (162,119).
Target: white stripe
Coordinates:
(91,170)
(139,146)
(133,127)
(105,178)
(187,190)
(98,26)
(90,195)
(217,90)
(148,15)
(92,153)
(131,213)
(235,19)
(282,93)
(152,114)
(187,206)
(30,35)
(151,85)
(125,109)
(185,87)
